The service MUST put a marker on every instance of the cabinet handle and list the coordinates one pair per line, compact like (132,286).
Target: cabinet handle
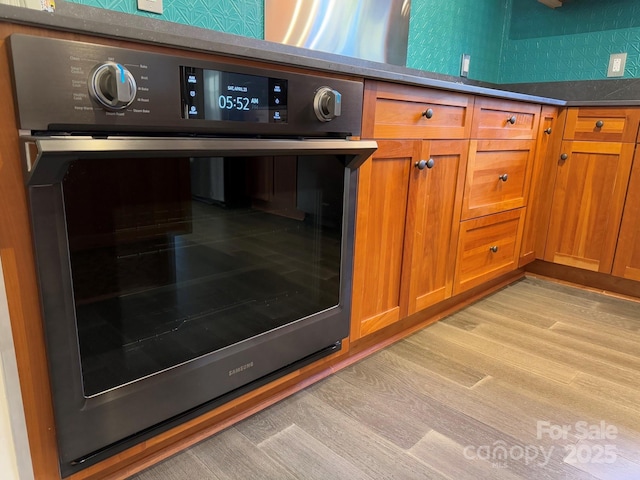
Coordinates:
(422,164)
(493,248)
(504,177)
(428,113)
(548,131)
(512,120)
(564,156)
(599,124)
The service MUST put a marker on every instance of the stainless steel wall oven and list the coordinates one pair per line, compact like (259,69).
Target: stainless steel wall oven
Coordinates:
(193,230)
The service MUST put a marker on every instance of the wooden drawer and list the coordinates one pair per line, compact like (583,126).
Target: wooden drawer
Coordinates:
(498,176)
(602,124)
(401,111)
(494,118)
(488,247)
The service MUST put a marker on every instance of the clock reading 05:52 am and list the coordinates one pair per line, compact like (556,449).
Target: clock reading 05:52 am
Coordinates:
(229,102)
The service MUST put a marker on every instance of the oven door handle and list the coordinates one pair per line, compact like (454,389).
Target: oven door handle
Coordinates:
(46,158)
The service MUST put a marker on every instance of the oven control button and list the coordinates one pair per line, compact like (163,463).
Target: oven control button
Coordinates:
(112,86)
(327,104)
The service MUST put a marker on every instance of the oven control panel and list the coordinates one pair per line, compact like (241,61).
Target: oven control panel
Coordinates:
(66,86)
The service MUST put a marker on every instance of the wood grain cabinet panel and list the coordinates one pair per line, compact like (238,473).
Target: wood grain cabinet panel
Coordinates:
(487,247)
(590,189)
(627,258)
(495,118)
(602,124)
(433,214)
(541,190)
(498,176)
(406,230)
(403,111)
(379,237)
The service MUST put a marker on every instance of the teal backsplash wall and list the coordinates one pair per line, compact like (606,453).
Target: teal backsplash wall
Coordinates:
(510,41)
(440,32)
(241,17)
(572,42)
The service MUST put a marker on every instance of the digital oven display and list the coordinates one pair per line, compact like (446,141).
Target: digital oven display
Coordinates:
(236,97)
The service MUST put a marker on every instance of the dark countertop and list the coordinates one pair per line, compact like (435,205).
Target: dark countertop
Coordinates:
(106,23)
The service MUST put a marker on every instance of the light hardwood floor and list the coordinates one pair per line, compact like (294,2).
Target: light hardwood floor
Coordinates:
(537,381)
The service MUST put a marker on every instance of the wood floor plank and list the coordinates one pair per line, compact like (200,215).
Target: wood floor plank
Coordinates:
(308,458)
(451,458)
(538,299)
(524,360)
(588,456)
(624,396)
(565,404)
(441,364)
(577,355)
(599,336)
(361,446)
(230,455)
(178,467)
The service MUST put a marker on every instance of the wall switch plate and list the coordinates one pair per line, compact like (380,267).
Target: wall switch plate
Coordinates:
(616,65)
(464,65)
(153,6)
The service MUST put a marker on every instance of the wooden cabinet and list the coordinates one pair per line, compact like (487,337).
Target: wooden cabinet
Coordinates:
(435,195)
(590,187)
(379,237)
(541,190)
(405,230)
(593,165)
(602,124)
(402,111)
(498,176)
(494,118)
(488,247)
(627,258)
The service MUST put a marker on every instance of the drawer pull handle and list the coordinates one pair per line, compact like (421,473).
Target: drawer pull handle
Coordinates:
(428,113)
(422,164)
(599,124)
(494,248)
(512,120)
(504,177)
(548,131)
(564,156)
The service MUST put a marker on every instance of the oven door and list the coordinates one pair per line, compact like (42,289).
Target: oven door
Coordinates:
(177,273)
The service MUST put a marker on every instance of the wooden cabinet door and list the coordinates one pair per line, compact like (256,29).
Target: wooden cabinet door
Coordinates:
(627,258)
(383,183)
(588,198)
(433,216)
(498,176)
(541,190)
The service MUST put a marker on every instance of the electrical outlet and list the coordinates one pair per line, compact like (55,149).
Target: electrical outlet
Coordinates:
(616,65)
(464,65)
(153,6)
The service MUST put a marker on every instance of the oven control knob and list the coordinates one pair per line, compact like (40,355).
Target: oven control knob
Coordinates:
(112,86)
(327,104)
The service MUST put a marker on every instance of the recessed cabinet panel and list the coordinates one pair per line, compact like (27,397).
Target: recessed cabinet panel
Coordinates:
(627,258)
(383,183)
(541,189)
(494,118)
(411,112)
(435,195)
(488,246)
(602,124)
(497,176)
(590,188)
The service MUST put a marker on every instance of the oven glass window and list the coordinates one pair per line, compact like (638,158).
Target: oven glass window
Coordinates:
(176,258)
